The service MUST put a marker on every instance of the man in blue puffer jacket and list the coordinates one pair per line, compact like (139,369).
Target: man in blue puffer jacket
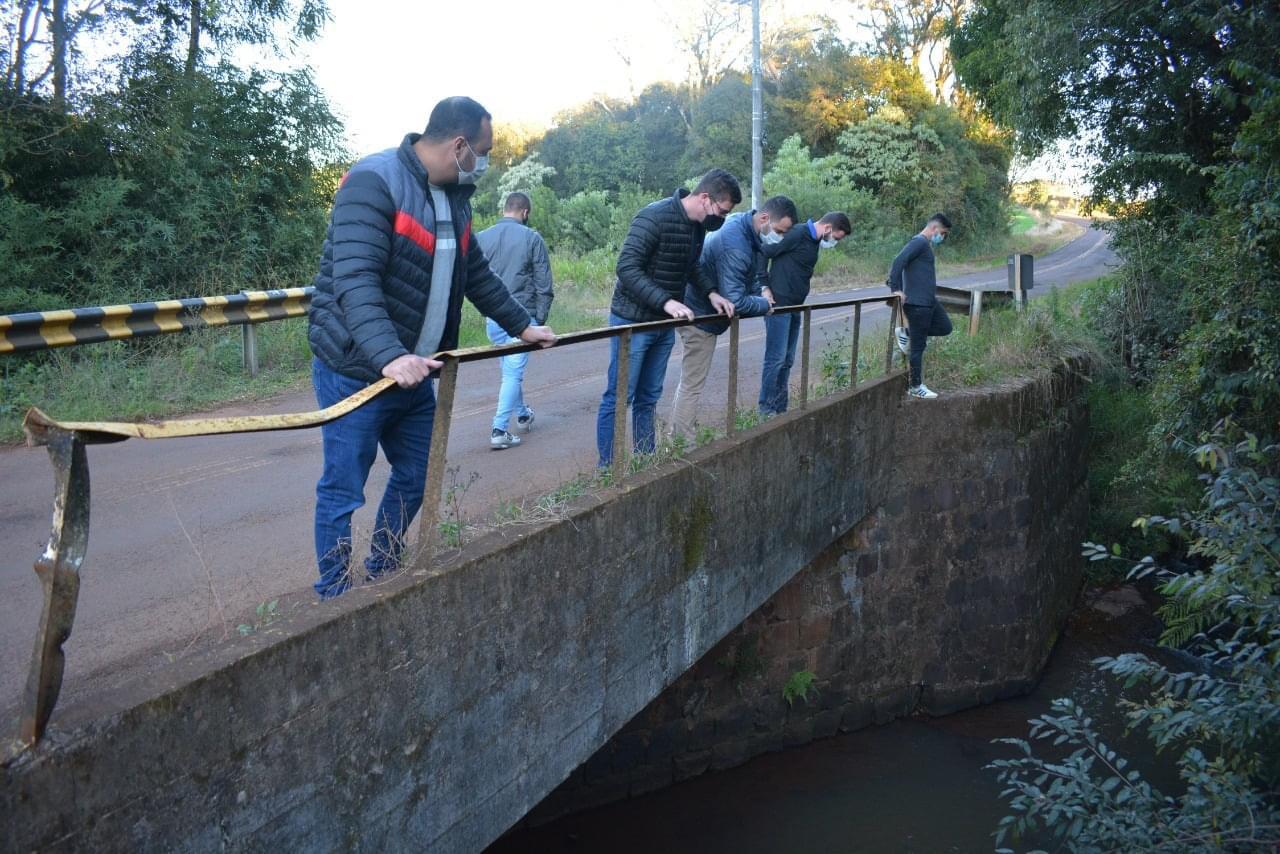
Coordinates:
(397,260)
(733,264)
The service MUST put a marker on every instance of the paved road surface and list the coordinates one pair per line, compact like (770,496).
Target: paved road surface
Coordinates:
(188,535)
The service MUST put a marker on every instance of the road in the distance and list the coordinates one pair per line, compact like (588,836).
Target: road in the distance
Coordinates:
(189,535)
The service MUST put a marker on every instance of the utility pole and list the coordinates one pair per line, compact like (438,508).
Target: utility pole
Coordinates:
(757,110)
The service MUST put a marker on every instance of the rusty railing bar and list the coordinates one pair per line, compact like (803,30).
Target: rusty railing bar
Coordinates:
(428,522)
(731,402)
(59,572)
(804,357)
(857,332)
(622,385)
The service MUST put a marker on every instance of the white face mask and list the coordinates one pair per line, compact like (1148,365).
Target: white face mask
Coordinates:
(470,176)
(769,236)
(828,243)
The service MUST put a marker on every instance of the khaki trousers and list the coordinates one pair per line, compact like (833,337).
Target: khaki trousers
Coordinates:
(697,347)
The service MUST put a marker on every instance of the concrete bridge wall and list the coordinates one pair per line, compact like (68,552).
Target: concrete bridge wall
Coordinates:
(433,712)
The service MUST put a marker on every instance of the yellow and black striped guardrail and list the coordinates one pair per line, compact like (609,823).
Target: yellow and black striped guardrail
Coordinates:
(43,330)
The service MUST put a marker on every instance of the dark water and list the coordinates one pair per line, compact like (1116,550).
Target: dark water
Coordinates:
(915,785)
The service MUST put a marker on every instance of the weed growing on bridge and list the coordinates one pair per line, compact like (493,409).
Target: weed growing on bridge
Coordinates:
(264,615)
(455,493)
(799,685)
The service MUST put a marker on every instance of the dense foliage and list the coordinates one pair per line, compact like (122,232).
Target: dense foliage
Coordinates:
(1177,101)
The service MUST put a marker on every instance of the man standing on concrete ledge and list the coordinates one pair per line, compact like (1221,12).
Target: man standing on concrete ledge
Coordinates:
(914,278)
(659,255)
(791,263)
(397,260)
(519,257)
(733,264)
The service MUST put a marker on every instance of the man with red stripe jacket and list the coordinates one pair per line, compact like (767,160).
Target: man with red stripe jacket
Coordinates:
(397,260)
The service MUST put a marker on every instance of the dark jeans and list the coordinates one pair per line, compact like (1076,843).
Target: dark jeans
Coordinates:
(781,333)
(647,368)
(924,322)
(399,420)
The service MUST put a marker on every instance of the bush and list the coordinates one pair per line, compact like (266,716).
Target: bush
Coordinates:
(1221,720)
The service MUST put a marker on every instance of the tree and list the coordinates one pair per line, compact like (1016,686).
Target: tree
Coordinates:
(915,32)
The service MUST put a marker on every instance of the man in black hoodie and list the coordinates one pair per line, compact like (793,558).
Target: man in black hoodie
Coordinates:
(660,254)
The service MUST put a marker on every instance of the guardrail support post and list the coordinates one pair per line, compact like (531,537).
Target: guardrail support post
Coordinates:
(893,323)
(437,459)
(59,572)
(250,339)
(804,358)
(975,312)
(621,386)
(857,331)
(731,406)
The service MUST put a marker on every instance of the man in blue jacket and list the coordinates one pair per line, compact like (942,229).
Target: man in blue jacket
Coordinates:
(659,254)
(791,263)
(733,264)
(397,260)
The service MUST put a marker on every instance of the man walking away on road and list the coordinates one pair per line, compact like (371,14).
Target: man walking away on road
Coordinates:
(397,260)
(659,255)
(791,263)
(733,264)
(914,277)
(518,256)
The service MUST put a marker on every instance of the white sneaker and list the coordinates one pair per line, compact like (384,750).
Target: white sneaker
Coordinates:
(500,439)
(922,391)
(904,340)
(525,422)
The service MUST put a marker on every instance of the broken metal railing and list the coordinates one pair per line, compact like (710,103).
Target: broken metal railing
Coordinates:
(58,568)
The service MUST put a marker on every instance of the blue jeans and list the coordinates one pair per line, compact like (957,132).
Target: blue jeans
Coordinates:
(400,420)
(647,369)
(781,333)
(511,393)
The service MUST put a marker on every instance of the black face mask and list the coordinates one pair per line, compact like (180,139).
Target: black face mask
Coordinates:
(713,222)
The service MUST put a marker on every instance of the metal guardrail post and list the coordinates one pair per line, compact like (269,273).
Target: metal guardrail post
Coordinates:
(622,385)
(250,339)
(975,312)
(437,458)
(731,406)
(893,323)
(59,572)
(804,357)
(857,332)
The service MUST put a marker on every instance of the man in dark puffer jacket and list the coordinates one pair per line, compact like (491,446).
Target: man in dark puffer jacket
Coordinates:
(397,260)
(659,255)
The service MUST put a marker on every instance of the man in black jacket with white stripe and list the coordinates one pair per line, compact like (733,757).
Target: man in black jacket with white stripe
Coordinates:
(658,257)
(397,260)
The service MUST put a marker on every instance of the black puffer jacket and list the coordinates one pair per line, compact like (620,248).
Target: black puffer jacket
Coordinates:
(659,256)
(375,268)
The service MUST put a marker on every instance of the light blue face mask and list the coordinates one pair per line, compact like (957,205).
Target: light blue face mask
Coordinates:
(770,237)
(470,176)
(938,238)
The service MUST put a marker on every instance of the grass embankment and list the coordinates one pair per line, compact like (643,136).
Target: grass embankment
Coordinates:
(176,374)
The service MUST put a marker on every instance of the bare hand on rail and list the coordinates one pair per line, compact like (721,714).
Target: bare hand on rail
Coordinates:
(409,370)
(721,305)
(541,335)
(677,310)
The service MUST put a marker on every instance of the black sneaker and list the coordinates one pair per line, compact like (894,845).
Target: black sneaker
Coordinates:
(500,439)
(524,422)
